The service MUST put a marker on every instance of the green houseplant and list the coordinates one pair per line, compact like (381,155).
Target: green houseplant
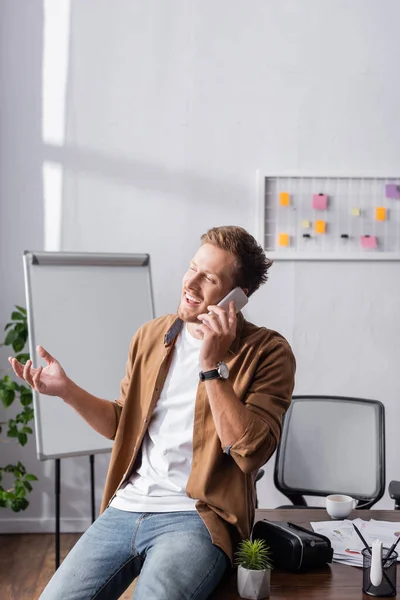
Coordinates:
(254,569)
(16,478)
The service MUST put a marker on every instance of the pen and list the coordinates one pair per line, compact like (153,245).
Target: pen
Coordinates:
(389,552)
(358,532)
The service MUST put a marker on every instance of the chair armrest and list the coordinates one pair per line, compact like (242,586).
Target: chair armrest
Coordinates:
(259,475)
(394,490)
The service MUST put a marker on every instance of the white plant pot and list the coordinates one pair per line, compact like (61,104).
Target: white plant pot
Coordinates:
(253,585)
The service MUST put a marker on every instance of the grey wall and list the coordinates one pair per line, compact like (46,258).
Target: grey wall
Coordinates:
(171,110)
(21,211)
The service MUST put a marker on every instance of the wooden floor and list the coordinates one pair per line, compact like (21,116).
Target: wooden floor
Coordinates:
(27,564)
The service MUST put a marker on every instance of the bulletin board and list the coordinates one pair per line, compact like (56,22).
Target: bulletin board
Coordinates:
(329,218)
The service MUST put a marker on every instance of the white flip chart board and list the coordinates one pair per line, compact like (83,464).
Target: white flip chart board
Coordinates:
(83,309)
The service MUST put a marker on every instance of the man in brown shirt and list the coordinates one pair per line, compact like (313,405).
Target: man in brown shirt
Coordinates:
(180,487)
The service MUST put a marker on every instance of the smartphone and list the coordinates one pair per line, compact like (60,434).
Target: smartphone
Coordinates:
(236,295)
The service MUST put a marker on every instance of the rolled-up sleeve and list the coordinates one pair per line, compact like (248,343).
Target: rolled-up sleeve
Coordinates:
(268,397)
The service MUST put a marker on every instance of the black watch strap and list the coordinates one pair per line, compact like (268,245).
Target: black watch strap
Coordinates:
(213,374)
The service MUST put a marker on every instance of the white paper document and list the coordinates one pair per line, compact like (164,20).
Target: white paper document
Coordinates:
(346,544)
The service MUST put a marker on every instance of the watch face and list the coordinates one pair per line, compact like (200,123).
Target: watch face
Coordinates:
(223,370)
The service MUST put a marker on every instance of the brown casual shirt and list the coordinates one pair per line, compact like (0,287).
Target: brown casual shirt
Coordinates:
(262,368)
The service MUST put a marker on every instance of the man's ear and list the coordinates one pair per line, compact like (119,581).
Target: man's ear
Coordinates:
(246,291)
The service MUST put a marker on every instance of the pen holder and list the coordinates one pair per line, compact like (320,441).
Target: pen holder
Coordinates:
(387,587)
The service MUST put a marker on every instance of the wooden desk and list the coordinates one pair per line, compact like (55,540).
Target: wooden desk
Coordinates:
(335,582)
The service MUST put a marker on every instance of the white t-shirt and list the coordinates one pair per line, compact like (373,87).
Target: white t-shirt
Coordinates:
(159,484)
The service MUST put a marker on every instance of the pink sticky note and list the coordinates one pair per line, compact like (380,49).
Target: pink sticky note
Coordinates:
(320,201)
(392,190)
(369,241)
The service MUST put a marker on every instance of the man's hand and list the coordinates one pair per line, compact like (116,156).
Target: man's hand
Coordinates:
(50,380)
(53,381)
(219,331)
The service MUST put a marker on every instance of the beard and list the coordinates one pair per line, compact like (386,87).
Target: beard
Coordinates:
(188,316)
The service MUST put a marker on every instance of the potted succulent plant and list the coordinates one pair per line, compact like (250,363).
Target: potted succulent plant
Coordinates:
(254,569)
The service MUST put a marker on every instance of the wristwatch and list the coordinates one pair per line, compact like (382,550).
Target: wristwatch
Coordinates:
(221,372)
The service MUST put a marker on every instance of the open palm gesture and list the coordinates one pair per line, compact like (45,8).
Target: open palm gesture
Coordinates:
(50,380)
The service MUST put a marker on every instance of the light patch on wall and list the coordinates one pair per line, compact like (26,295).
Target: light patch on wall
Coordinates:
(52,174)
(55,72)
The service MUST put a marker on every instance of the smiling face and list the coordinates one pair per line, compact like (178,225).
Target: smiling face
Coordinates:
(209,278)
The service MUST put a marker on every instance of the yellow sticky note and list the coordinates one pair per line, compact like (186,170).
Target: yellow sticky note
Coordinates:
(305,224)
(284,199)
(283,239)
(380,213)
(320,226)
(355,212)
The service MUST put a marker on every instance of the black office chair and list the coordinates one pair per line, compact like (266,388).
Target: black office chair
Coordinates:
(394,492)
(259,475)
(332,444)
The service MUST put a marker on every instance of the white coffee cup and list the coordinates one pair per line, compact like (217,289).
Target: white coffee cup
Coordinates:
(339,506)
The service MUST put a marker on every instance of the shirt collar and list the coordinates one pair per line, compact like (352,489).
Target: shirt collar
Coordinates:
(176,326)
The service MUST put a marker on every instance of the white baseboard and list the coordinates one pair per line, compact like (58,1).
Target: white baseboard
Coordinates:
(43,525)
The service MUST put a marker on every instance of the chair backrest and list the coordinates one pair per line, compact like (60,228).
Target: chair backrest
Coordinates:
(332,444)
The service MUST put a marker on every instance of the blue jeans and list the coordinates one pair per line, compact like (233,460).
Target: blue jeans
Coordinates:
(173,553)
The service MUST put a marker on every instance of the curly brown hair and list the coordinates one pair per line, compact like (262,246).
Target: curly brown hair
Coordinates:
(251,263)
